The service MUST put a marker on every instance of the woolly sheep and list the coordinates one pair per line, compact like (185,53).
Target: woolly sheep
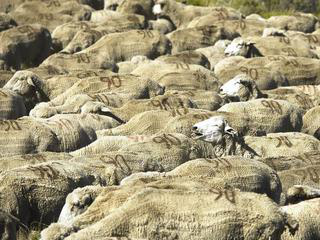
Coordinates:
(24,46)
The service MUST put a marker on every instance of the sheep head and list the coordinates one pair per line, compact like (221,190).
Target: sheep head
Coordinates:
(43,110)
(28,85)
(23,82)
(212,130)
(240,88)
(160,7)
(99,108)
(239,47)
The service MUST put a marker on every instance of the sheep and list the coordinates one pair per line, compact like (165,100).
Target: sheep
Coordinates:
(127,67)
(77,202)
(239,27)
(171,151)
(241,88)
(266,181)
(112,4)
(282,163)
(311,122)
(271,71)
(212,129)
(35,89)
(302,22)
(164,26)
(125,202)
(114,48)
(294,95)
(74,131)
(203,99)
(164,121)
(24,46)
(171,103)
(282,116)
(103,15)
(141,7)
(265,46)
(299,193)
(51,183)
(116,89)
(306,175)
(226,169)
(214,53)
(297,70)
(311,38)
(180,14)
(191,77)
(197,37)
(86,37)
(239,47)
(282,144)
(6,22)
(223,141)
(305,217)
(81,103)
(8,163)
(51,15)
(255,68)
(25,136)
(186,57)
(62,133)
(12,105)
(64,33)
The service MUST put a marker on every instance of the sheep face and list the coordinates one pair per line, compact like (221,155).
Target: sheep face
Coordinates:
(238,47)
(212,130)
(22,82)
(267,32)
(43,110)
(231,88)
(161,8)
(94,107)
(239,88)
(158,8)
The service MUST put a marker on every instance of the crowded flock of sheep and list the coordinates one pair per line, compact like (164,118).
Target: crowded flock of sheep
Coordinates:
(152,119)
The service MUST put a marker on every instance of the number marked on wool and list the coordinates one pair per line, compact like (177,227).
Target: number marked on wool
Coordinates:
(112,81)
(274,106)
(118,161)
(168,139)
(9,125)
(283,140)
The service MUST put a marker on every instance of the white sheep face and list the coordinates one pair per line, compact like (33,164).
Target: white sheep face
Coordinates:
(231,88)
(237,47)
(212,129)
(267,32)
(21,82)
(237,87)
(157,9)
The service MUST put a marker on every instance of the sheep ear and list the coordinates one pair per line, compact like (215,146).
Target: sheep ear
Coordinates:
(244,82)
(250,43)
(30,81)
(105,109)
(229,130)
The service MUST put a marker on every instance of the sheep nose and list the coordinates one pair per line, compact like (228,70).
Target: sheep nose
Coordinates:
(194,128)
